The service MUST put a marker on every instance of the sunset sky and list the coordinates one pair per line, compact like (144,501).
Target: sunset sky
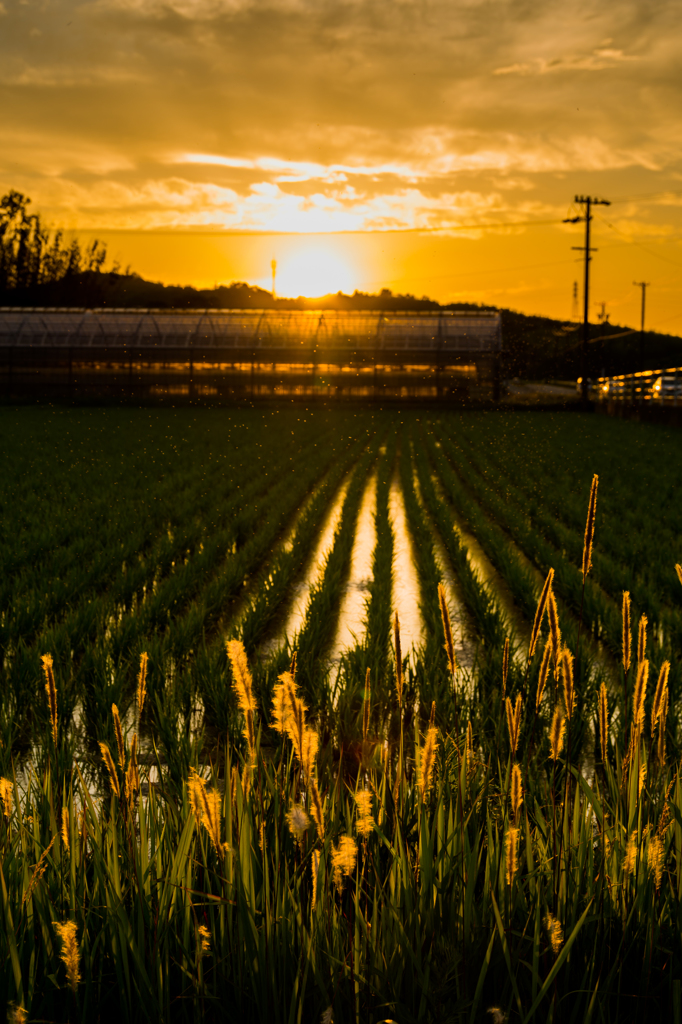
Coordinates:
(431,147)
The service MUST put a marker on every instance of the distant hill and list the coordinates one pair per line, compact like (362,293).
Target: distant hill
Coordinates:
(534,346)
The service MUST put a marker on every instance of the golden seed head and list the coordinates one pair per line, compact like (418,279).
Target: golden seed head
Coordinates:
(554,630)
(6,791)
(556,734)
(317,808)
(540,613)
(51,691)
(678,570)
(589,527)
(516,791)
(544,672)
(141,684)
(111,768)
(661,689)
(311,743)
(65,826)
(365,821)
(69,954)
(315,870)
(514,722)
(639,694)
(511,847)
(567,678)
(298,821)
(470,744)
(627,634)
(555,932)
(119,736)
(205,940)
(344,857)
(242,676)
(641,639)
(447,629)
(426,759)
(280,702)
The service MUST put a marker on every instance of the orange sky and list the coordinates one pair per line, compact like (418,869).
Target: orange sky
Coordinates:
(421,145)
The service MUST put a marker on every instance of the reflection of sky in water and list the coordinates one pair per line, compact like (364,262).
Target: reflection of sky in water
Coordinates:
(350,628)
(405,582)
(301,593)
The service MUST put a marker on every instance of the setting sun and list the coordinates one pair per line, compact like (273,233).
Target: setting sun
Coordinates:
(312,270)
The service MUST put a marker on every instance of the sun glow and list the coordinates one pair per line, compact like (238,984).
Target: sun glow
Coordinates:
(313,271)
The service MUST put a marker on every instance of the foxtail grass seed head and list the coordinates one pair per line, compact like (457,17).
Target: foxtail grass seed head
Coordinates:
(281,707)
(6,791)
(366,706)
(567,679)
(398,660)
(641,639)
(317,809)
(51,691)
(120,747)
(426,762)
(365,821)
(642,779)
(111,768)
(511,850)
(661,726)
(554,630)
(678,570)
(64,831)
(555,933)
(70,954)
(631,854)
(298,822)
(639,695)
(204,940)
(211,806)
(589,527)
(556,734)
(514,723)
(141,684)
(314,870)
(195,784)
(505,667)
(447,629)
(133,772)
(603,720)
(328,1016)
(516,791)
(497,1016)
(661,688)
(544,672)
(344,857)
(627,631)
(16,1014)
(540,613)
(432,717)
(241,674)
(311,743)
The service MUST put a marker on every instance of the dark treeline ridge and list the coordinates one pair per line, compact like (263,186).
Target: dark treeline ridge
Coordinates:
(35,260)
(39,269)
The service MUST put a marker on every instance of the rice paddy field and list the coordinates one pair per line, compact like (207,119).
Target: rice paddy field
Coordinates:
(350,716)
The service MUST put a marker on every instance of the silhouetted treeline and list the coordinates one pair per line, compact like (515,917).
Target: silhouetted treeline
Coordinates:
(31,257)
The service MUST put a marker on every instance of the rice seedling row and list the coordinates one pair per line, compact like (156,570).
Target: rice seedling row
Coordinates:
(614,576)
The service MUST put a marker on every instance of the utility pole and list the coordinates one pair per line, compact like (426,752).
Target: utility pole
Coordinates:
(643,285)
(587,202)
(273,266)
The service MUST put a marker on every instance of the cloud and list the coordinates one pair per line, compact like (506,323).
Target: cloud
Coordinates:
(598,60)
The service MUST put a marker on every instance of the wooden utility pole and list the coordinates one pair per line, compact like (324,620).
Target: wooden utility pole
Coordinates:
(587,202)
(643,285)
